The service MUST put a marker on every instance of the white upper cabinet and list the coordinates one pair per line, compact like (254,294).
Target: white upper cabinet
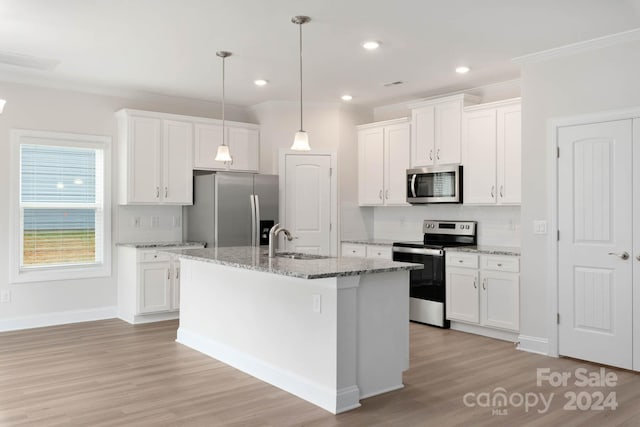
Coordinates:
(177,161)
(491,146)
(155,160)
(436,130)
(383,158)
(243,140)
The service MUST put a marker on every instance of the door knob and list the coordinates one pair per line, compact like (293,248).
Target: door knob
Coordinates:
(623,255)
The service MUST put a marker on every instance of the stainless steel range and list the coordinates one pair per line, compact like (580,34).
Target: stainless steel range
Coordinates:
(427,286)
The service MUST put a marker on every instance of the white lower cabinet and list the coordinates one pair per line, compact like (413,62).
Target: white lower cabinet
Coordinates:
(366,251)
(148,285)
(483,290)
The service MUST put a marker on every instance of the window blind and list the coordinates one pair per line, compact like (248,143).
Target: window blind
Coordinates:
(61,205)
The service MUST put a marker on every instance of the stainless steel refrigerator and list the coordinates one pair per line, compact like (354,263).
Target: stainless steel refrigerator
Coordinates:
(232,209)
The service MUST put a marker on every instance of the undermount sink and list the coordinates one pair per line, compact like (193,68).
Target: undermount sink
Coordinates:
(299,255)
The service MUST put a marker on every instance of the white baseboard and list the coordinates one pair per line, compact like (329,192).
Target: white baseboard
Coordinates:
(487,332)
(334,401)
(57,318)
(148,318)
(533,344)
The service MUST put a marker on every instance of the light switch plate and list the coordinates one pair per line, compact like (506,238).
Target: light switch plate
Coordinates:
(317,303)
(540,227)
(5,296)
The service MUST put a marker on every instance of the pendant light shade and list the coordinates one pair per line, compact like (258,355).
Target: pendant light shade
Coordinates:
(223,154)
(301,140)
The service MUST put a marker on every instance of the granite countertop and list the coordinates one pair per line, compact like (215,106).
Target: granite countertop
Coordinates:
(155,245)
(379,242)
(257,259)
(487,250)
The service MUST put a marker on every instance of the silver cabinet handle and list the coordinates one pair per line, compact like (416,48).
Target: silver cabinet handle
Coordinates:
(166,192)
(501,188)
(438,154)
(431,154)
(623,255)
(484,284)
(169,273)
(386,194)
(493,191)
(380,195)
(157,192)
(638,257)
(178,273)
(475,285)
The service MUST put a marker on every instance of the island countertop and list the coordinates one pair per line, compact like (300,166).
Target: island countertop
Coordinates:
(257,259)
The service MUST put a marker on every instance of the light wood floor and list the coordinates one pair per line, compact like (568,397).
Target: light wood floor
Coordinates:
(110,373)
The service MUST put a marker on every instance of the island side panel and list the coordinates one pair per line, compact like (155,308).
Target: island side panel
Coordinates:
(265,324)
(383,332)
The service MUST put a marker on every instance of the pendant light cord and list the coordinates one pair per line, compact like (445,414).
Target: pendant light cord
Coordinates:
(223,102)
(301,127)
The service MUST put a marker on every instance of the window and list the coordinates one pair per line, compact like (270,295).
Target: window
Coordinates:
(62,214)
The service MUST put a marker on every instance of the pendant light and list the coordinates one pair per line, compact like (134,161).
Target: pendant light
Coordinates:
(223,154)
(301,140)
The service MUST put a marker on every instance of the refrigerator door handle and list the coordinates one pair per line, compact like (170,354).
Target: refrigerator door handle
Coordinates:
(253,219)
(257,220)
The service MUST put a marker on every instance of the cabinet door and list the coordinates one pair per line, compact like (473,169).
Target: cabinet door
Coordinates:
(243,145)
(448,125)
(143,168)
(397,160)
(177,163)
(207,139)
(175,288)
(462,295)
(154,287)
(479,172)
(423,136)
(371,166)
(501,297)
(509,139)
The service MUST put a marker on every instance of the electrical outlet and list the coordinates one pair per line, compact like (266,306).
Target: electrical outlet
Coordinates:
(5,296)
(136,221)
(155,221)
(177,221)
(317,303)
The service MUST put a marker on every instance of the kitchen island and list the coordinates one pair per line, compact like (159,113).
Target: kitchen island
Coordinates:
(331,331)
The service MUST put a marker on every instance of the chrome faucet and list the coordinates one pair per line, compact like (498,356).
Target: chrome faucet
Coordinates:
(273,235)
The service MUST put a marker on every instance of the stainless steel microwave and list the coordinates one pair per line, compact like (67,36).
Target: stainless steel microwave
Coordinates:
(436,184)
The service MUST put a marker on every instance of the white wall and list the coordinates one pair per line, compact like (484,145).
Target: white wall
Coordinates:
(497,225)
(588,82)
(39,108)
(331,126)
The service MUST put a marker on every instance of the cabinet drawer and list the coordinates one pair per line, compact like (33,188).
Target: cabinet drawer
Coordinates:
(377,251)
(151,256)
(459,259)
(500,263)
(350,249)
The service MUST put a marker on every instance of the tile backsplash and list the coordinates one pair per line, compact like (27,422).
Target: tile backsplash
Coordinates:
(497,225)
(149,224)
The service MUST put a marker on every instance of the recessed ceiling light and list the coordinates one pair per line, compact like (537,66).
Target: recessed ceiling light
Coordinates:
(260,82)
(462,70)
(371,45)
(347,97)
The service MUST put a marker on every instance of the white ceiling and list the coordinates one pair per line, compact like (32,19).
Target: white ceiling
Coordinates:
(168,46)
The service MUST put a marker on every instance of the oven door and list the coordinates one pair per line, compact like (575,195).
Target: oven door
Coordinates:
(439,184)
(427,286)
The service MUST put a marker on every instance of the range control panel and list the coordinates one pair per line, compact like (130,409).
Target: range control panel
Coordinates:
(464,228)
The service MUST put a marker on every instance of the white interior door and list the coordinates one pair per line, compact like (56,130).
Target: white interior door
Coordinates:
(595,219)
(308,202)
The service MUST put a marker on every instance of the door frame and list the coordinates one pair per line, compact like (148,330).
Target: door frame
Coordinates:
(282,179)
(553,127)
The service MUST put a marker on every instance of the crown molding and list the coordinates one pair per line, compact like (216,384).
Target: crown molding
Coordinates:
(583,46)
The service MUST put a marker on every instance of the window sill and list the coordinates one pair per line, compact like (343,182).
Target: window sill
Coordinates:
(63,273)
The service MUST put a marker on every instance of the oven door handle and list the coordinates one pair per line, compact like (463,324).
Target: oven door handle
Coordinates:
(413,185)
(418,251)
